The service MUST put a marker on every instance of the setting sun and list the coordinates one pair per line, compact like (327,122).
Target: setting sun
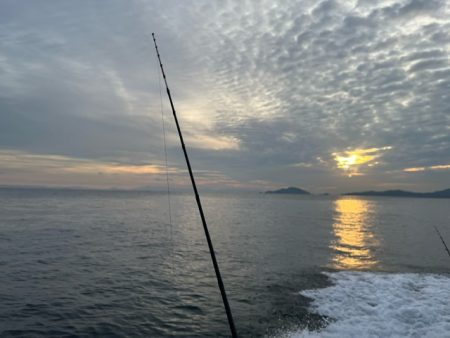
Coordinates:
(351,160)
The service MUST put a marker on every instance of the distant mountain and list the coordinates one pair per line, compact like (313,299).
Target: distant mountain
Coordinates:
(442,193)
(290,190)
(402,193)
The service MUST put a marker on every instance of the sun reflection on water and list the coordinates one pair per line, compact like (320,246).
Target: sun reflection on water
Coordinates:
(354,241)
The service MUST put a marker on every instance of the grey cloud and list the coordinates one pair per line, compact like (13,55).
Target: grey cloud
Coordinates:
(369,113)
(75,135)
(292,81)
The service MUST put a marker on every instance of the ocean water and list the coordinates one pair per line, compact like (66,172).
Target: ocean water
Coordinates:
(109,264)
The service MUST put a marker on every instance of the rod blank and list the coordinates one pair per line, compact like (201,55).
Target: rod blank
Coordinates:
(199,204)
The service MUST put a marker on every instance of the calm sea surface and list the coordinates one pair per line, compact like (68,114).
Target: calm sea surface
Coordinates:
(109,264)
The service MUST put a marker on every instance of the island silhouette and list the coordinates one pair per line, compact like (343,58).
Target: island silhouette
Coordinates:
(289,190)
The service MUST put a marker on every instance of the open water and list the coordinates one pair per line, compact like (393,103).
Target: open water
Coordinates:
(109,264)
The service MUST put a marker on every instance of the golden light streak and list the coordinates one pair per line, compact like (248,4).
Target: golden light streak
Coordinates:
(116,169)
(56,163)
(354,239)
(414,169)
(433,167)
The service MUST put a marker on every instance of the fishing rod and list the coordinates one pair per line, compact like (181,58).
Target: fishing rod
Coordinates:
(199,205)
(442,239)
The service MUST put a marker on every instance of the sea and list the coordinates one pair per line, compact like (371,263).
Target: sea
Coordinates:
(85,263)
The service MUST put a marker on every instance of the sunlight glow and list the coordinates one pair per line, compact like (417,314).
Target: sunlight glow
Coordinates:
(56,170)
(115,169)
(433,167)
(354,239)
(214,142)
(351,160)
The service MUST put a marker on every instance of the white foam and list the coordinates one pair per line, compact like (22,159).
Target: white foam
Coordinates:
(366,304)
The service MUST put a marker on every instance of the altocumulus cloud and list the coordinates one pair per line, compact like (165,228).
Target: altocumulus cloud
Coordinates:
(267,92)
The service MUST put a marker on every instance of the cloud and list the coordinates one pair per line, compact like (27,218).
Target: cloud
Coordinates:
(262,89)
(433,167)
(21,168)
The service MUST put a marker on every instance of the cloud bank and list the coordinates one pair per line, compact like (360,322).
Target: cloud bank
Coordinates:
(266,92)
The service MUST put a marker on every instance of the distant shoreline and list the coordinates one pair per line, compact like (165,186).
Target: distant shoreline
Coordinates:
(386,193)
(402,193)
(292,191)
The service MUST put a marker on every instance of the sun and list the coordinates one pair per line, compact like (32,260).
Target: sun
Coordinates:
(345,162)
(352,160)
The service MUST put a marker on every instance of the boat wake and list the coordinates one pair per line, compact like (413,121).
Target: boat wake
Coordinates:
(368,304)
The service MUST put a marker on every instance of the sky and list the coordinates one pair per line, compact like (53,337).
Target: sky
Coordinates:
(330,96)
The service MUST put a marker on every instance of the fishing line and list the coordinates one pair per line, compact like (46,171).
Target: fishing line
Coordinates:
(167,167)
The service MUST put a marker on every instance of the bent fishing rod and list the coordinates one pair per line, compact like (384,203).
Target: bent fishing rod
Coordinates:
(199,204)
